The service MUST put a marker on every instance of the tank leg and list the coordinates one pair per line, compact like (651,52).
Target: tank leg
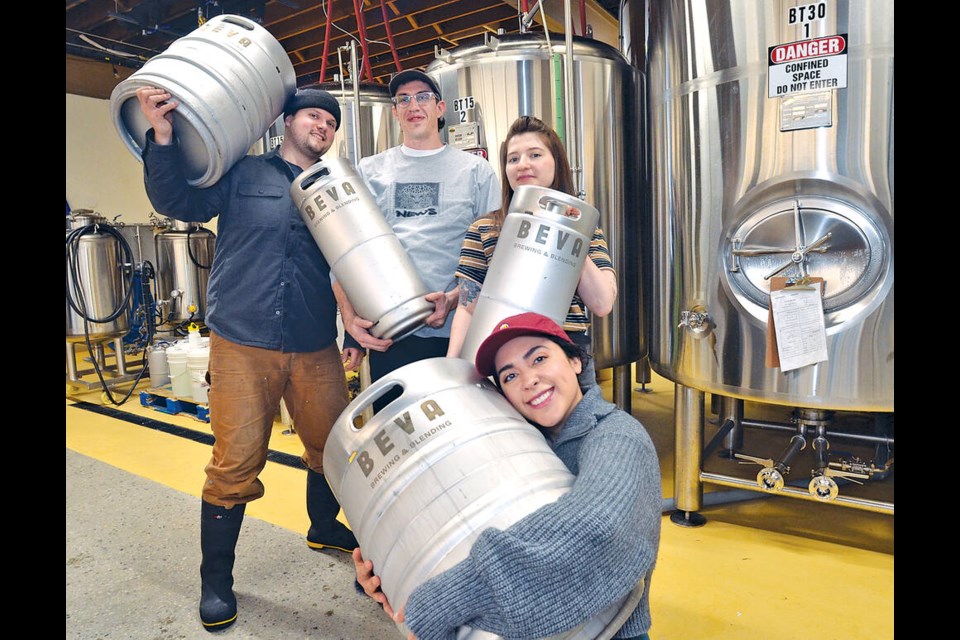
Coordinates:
(688,456)
(121,357)
(72,362)
(643,375)
(731,409)
(621,388)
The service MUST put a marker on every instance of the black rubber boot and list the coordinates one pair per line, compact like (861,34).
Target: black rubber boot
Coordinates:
(219,530)
(326,532)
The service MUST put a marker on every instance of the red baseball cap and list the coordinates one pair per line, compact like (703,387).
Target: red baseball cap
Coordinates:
(524,324)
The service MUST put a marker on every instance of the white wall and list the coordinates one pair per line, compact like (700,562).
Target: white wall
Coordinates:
(102,174)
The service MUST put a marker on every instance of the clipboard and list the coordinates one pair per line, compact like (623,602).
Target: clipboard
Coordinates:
(776,284)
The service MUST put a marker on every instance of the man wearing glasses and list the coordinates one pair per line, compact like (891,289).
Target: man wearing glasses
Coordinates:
(429,193)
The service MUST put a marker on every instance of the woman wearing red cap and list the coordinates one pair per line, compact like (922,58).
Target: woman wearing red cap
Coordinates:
(565,562)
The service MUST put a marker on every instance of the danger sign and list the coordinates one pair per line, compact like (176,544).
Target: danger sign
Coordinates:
(807,65)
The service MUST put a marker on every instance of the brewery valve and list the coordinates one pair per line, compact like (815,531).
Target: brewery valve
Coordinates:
(771,476)
(857,468)
(695,320)
(527,19)
(822,486)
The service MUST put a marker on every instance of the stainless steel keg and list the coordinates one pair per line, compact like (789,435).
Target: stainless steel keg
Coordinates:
(364,253)
(445,460)
(537,263)
(231,78)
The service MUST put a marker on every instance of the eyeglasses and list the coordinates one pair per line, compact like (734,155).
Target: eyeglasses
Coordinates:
(422,98)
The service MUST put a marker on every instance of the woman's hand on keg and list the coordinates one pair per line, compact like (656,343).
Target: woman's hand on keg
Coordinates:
(370,582)
(157,106)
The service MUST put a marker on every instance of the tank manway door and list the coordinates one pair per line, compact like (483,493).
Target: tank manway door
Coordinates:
(813,236)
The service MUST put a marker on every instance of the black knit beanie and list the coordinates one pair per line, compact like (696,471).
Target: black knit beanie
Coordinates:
(306,98)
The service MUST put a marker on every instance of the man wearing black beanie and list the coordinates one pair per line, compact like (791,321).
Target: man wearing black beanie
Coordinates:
(273,327)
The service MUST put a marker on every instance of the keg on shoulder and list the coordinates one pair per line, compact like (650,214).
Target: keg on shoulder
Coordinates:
(231,78)
(364,253)
(430,471)
(537,264)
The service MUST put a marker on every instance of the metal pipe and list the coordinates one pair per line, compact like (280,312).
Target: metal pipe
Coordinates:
(569,117)
(779,426)
(732,409)
(688,422)
(792,492)
(393,47)
(326,39)
(356,101)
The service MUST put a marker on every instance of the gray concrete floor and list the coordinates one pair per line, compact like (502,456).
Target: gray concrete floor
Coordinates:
(141,563)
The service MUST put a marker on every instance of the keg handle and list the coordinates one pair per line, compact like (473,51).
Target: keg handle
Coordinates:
(239,21)
(559,207)
(372,393)
(313,174)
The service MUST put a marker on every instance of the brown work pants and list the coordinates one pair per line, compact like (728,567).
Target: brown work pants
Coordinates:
(246,385)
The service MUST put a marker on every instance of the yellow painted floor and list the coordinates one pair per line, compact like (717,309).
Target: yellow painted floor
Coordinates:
(776,567)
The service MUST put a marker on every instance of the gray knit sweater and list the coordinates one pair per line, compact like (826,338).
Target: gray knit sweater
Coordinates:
(568,560)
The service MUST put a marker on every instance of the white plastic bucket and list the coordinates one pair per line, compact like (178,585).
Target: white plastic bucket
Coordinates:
(197,361)
(179,372)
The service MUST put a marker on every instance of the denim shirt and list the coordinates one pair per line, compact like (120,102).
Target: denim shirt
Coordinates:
(269,284)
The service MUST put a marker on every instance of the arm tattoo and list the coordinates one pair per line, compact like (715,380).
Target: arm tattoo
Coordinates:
(469,291)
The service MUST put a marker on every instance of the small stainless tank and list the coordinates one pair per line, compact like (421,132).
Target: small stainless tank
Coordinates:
(537,264)
(96,280)
(184,256)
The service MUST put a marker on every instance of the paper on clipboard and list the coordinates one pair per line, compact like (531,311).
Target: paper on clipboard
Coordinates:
(797,314)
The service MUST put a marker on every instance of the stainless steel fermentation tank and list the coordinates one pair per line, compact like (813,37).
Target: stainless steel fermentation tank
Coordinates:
(487,85)
(771,128)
